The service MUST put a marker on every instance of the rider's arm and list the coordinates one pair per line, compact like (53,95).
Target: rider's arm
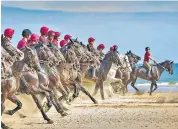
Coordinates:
(20,52)
(152,59)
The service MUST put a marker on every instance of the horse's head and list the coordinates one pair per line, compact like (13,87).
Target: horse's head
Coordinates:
(168,65)
(6,56)
(70,55)
(111,57)
(45,54)
(77,47)
(57,53)
(132,57)
(9,48)
(30,58)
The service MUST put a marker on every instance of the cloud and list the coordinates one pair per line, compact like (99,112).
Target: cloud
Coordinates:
(90,6)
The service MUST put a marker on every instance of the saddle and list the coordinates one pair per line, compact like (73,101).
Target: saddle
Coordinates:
(146,67)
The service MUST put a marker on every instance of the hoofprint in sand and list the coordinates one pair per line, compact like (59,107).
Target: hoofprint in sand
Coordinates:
(131,111)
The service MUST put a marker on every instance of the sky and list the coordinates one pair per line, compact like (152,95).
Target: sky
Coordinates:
(130,25)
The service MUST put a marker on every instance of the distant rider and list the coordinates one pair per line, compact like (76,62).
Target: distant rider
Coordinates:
(56,38)
(147,58)
(26,33)
(44,33)
(33,39)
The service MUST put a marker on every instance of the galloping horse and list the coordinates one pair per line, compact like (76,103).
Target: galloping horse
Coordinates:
(156,73)
(71,72)
(107,71)
(124,72)
(48,64)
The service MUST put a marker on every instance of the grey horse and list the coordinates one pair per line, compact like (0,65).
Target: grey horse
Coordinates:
(107,71)
(48,62)
(8,86)
(26,73)
(125,72)
(156,73)
(71,71)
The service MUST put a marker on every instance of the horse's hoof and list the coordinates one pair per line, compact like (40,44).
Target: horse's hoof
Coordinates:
(10,112)
(67,102)
(50,121)
(45,107)
(70,100)
(64,113)
(95,102)
(64,108)
(6,127)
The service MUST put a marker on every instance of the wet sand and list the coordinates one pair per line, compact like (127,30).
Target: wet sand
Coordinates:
(159,111)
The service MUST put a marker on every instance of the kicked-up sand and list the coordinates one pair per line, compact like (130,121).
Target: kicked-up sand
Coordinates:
(132,111)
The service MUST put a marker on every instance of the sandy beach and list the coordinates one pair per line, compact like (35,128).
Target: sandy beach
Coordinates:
(159,111)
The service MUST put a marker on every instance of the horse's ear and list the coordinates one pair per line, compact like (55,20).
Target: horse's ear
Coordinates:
(27,48)
(2,36)
(172,62)
(130,51)
(77,39)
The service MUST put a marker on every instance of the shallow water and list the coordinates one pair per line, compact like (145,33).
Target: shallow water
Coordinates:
(160,89)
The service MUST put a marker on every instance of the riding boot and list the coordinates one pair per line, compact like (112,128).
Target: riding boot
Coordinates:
(94,73)
(148,73)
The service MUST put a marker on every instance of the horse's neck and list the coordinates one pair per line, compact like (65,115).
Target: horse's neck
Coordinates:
(18,66)
(105,66)
(84,67)
(45,66)
(160,69)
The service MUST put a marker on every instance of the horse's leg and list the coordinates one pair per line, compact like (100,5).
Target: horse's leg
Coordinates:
(88,94)
(67,89)
(64,95)
(3,97)
(38,103)
(127,83)
(50,99)
(124,86)
(3,126)
(102,90)
(151,88)
(16,101)
(57,104)
(133,84)
(65,92)
(76,92)
(155,87)
(96,88)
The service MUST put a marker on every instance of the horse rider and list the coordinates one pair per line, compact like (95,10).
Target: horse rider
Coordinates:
(90,47)
(44,33)
(111,49)
(63,43)
(56,38)
(67,37)
(26,33)
(90,44)
(100,49)
(51,35)
(147,58)
(8,33)
(33,39)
